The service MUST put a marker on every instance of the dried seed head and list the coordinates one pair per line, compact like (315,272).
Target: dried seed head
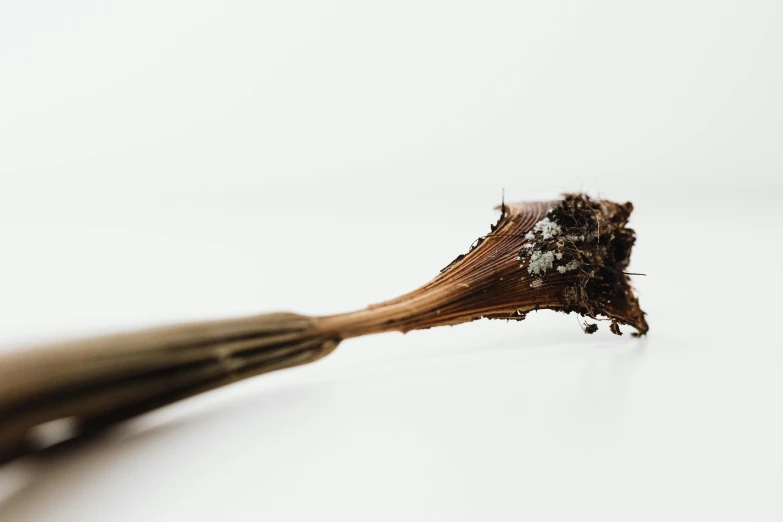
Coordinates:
(568,255)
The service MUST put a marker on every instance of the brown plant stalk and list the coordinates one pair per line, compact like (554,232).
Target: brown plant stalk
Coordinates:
(569,255)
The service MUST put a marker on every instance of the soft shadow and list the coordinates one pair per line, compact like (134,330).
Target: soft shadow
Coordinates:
(36,483)
(44,481)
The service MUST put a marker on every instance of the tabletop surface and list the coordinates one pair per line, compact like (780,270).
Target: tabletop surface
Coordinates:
(178,161)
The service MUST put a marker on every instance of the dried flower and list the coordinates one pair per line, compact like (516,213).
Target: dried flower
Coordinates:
(95,383)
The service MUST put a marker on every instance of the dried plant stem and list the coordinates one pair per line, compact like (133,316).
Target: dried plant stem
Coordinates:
(99,382)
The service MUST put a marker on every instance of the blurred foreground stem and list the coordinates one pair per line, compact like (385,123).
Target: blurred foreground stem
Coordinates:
(568,255)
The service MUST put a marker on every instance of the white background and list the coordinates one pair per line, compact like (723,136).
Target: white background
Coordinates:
(177,160)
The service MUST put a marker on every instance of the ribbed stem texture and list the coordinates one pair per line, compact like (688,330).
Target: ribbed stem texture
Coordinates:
(569,255)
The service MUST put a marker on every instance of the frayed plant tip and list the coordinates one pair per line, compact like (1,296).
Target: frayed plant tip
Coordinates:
(506,274)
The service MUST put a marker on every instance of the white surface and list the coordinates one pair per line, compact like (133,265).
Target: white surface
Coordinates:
(167,161)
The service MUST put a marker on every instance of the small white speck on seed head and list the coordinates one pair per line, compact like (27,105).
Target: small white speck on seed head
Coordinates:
(537,283)
(530,235)
(571,265)
(559,255)
(540,262)
(548,229)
